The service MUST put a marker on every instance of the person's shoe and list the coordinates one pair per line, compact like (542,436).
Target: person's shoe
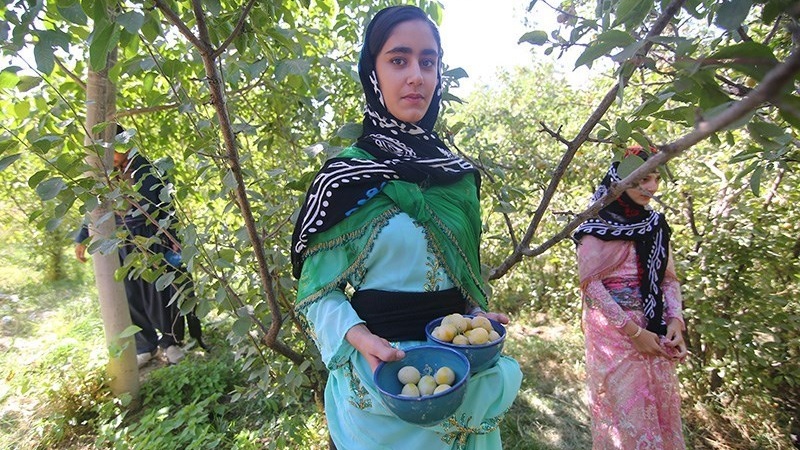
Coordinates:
(174,354)
(143,358)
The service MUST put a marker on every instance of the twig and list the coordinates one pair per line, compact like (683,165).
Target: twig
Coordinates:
(236,30)
(70,73)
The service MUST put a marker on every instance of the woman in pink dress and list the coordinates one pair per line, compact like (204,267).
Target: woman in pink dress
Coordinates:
(632,319)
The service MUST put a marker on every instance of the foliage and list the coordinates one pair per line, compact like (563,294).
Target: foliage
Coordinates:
(290,98)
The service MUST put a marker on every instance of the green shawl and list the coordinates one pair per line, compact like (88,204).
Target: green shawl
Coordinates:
(449,214)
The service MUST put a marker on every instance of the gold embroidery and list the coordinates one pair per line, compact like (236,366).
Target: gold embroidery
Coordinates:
(456,433)
(360,399)
(432,275)
(357,267)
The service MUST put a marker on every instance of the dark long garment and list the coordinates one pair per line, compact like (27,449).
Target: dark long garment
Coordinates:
(150,309)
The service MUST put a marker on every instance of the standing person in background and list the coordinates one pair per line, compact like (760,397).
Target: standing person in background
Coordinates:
(396,217)
(632,319)
(150,308)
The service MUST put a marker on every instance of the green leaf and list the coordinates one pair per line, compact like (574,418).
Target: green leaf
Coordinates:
(623,129)
(350,131)
(72,12)
(227,254)
(292,67)
(165,280)
(628,165)
(43,54)
(131,21)
(603,45)
(8,160)
(788,110)
(755,180)
(151,28)
(100,46)
(55,38)
(37,178)
(49,189)
(732,13)
(213,7)
(22,109)
(241,326)
(27,83)
(632,13)
(456,73)
(45,143)
(536,37)
(129,331)
(8,78)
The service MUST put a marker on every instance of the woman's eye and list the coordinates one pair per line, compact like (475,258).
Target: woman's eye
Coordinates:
(398,61)
(428,63)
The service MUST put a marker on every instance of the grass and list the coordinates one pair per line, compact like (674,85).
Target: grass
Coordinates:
(54,393)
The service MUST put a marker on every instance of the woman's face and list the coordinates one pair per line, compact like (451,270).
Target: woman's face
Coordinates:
(408,67)
(647,189)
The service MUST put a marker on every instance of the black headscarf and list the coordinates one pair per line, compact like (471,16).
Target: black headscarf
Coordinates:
(405,151)
(626,220)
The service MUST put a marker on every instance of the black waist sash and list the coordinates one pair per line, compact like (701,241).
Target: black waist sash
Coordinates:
(402,316)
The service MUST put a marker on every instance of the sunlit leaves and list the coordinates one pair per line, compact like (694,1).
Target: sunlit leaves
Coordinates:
(536,37)
(602,45)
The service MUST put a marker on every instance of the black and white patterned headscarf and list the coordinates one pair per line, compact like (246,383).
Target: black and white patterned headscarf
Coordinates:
(626,220)
(405,151)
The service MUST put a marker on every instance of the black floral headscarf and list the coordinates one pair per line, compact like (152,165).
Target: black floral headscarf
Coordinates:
(626,220)
(404,151)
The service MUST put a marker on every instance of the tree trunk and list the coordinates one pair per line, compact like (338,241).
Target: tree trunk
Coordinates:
(122,368)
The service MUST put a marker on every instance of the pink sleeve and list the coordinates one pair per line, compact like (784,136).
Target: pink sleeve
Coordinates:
(601,299)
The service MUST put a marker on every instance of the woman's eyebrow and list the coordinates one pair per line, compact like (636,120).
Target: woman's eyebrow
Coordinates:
(408,51)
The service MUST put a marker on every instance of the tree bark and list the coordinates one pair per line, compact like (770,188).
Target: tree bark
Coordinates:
(122,369)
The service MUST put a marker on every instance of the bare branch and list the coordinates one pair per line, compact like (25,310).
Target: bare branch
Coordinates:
(173,18)
(236,30)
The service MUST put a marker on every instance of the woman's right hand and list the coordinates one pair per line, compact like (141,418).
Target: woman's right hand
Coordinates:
(372,347)
(646,342)
(649,343)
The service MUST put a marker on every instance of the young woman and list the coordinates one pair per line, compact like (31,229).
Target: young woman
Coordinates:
(395,222)
(632,319)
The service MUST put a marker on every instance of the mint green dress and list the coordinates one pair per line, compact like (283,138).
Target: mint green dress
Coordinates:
(394,251)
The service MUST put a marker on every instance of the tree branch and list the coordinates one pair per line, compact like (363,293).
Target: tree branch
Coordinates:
(522,249)
(70,73)
(173,18)
(236,30)
(770,87)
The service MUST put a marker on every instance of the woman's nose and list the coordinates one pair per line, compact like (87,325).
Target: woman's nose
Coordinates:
(415,75)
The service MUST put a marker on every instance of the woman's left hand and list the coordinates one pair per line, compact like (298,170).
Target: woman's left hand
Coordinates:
(674,339)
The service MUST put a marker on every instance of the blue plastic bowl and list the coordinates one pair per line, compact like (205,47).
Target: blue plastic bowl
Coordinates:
(431,409)
(480,357)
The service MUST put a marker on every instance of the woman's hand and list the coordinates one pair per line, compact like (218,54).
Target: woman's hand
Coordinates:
(496,316)
(674,339)
(646,342)
(373,347)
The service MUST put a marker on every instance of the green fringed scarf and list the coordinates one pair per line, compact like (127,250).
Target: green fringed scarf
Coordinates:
(450,215)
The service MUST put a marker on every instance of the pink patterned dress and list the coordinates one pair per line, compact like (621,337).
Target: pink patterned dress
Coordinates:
(634,398)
